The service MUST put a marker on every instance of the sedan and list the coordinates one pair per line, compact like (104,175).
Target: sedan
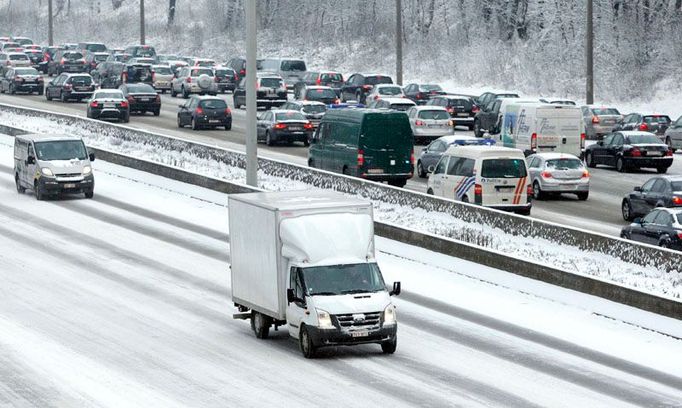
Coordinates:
(109,104)
(431,154)
(661,227)
(21,80)
(323,94)
(142,98)
(283,125)
(205,112)
(556,173)
(630,150)
(661,191)
(673,135)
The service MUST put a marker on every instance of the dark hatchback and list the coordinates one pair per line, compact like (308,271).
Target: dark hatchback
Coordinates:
(142,98)
(630,150)
(661,191)
(462,108)
(661,227)
(226,79)
(21,80)
(69,87)
(359,85)
(422,93)
(67,61)
(656,124)
(281,125)
(323,94)
(205,112)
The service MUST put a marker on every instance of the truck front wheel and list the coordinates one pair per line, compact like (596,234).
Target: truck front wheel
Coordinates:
(260,324)
(306,343)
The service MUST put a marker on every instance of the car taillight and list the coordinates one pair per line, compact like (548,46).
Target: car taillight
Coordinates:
(236,78)
(242,72)
(280,126)
(216,78)
(546,174)
(677,200)
(669,153)
(361,158)
(586,174)
(450,109)
(534,141)
(367,87)
(529,192)
(582,140)
(478,190)
(419,96)
(412,157)
(189,80)
(62,61)
(308,126)
(199,110)
(124,104)
(318,81)
(419,123)
(635,152)
(475,109)
(228,112)
(94,104)
(679,234)
(643,127)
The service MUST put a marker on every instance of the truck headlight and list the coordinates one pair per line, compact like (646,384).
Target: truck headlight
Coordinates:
(46,172)
(324,320)
(389,315)
(87,170)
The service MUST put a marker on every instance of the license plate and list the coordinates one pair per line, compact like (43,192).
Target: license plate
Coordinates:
(654,153)
(213,121)
(109,105)
(83,88)
(359,333)
(462,114)
(294,128)
(375,171)
(144,99)
(69,185)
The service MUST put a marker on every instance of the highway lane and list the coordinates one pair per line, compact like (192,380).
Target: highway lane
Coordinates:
(600,213)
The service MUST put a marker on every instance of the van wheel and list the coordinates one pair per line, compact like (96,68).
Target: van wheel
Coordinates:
(420,170)
(20,188)
(306,344)
(260,324)
(388,347)
(538,194)
(465,199)
(39,194)
(345,171)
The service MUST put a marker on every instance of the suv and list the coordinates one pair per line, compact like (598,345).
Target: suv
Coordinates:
(656,124)
(359,85)
(139,51)
(239,66)
(226,79)
(136,73)
(108,74)
(599,120)
(194,80)
(331,79)
(70,86)
(66,61)
(487,97)
(422,93)
(270,91)
(462,108)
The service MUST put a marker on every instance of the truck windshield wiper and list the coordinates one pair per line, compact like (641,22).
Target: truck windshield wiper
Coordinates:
(324,294)
(345,292)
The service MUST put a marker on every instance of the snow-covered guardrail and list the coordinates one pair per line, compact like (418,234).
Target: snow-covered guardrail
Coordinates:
(556,247)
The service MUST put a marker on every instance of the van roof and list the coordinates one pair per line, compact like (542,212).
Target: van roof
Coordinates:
(358,114)
(484,151)
(299,200)
(47,137)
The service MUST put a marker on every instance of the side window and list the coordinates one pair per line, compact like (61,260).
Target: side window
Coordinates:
(496,106)
(664,218)
(659,186)
(608,139)
(31,152)
(534,163)
(465,168)
(678,123)
(440,167)
(618,140)
(651,217)
(19,149)
(453,165)
(351,79)
(648,185)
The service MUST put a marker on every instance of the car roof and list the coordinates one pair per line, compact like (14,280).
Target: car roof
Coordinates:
(318,87)
(485,151)
(452,96)
(399,100)
(429,107)
(47,137)
(553,155)
(387,86)
(635,133)
(453,138)
(207,97)
(283,110)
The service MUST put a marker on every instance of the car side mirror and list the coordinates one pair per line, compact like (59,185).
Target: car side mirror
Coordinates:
(181,106)
(638,220)
(424,149)
(638,188)
(600,143)
(91,156)
(396,289)
(30,160)
(290,296)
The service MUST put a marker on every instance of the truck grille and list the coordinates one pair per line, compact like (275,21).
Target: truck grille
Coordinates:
(68,175)
(355,320)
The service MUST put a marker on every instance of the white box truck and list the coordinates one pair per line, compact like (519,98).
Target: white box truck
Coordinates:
(305,260)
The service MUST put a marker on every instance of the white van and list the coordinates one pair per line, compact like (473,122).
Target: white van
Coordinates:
(290,69)
(490,176)
(53,164)
(543,127)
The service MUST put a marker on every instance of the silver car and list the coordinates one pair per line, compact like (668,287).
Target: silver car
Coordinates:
(599,120)
(429,123)
(558,173)
(194,80)
(162,76)
(673,135)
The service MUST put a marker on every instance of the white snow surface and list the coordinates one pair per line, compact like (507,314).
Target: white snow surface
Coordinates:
(123,300)
(597,265)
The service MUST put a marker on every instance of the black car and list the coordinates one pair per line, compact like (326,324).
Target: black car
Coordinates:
(282,125)
(93,59)
(486,98)
(238,65)
(108,74)
(138,73)
(142,98)
(140,51)
(67,61)
(487,118)
(205,111)
(36,57)
(48,55)
(630,150)
(21,80)
(270,91)
(68,87)
(662,191)
(422,93)
(462,108)
(92,47)
(661,227)
(359,85)
(331,79)
(656,124)
(109,104)
(226,79)
(322,94)
(312,110)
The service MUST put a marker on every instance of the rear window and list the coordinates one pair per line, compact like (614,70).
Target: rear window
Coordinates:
(224,72)
(163,70)
(81,80)
(331,77)
(271,82)
(503,168)
(676,185)
(378,79)
(390,90)
(72,55)
(202,71)
(657,119)
(293,65)
(122,57)
(605,111)
(26,71)
(108,95)
(387,130)
(467,104)
(141,88)
(643,139)
(145,52)
(101,57)
(679,218)
(213,104)
(314,108)
(564,164)
(289,116)
(18,57)
(434,114)
(320,93)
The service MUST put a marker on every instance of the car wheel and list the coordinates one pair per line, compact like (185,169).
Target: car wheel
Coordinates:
(582,196)
(185,94)
(234,102)
(620,165)
(538,194)
(62,96)
(40,92)
(89,193)
(12,91)
(268,138)
(389,347)
(173,93)
(228,127)
(195,126)
(662,170)
(20,189)
(311,163)
(589,160)
(180,125)
(157,112)
(306,143)
(47,95)
(429,192)
(664,243)
(626,210)
(420,170)
(308,349)
(126,118)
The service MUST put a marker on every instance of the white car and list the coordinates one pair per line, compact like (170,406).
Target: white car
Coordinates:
(558,173)
(385,91)
(401,104)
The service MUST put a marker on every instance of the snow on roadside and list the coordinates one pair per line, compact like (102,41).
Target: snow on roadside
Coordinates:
(594,264)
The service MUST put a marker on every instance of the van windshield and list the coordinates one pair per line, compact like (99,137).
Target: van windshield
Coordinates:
(61,150)
(342,279)
(503,168)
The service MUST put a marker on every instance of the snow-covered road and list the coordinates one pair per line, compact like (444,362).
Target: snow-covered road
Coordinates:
(123,300)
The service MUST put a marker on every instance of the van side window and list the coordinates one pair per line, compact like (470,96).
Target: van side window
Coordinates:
(19,149)
(295,283)
(440,168)
(453,164)
(466,168)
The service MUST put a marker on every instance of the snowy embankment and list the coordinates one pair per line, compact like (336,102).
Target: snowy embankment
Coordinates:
(649,278)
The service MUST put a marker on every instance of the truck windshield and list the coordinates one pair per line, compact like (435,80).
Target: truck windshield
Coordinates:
(61,150)
(343,279)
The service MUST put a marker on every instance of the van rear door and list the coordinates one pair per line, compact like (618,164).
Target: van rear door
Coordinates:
(503,181)
(386,142)
(559,129)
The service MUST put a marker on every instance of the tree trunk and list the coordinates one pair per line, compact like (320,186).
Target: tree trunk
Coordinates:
(171,12)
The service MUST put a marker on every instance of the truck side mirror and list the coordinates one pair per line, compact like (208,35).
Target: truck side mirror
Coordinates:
(30,160)
(396,289)
(92,157)
(290,296)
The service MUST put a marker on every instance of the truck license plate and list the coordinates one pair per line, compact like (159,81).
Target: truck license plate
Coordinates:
(360,333)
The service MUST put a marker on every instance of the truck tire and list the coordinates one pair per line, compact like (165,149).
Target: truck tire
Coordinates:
(260,324)
(388,347)
(306,343)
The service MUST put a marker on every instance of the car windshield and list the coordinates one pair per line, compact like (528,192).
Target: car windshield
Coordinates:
(605,111)
(81,80)
(390,90)
(26,71)
(434,114)
(643,139)
(503,168)
(163,70)
(314,108)
(342,279)
(430,87)
(271,82)
(378,79)
(657,119)
(289,116)
(18,57)
(564,164)
(213,104)
(61,150)
(320,93)
(331,77)
(72,55)
(140,88)
(293,65)
(108,95)
(202,71)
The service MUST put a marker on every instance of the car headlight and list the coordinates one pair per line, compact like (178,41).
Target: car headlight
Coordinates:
(389,315)
(87,170)
(46,172)
(324,320)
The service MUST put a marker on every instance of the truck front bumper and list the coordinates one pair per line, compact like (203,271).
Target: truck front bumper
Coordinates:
(342,337)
